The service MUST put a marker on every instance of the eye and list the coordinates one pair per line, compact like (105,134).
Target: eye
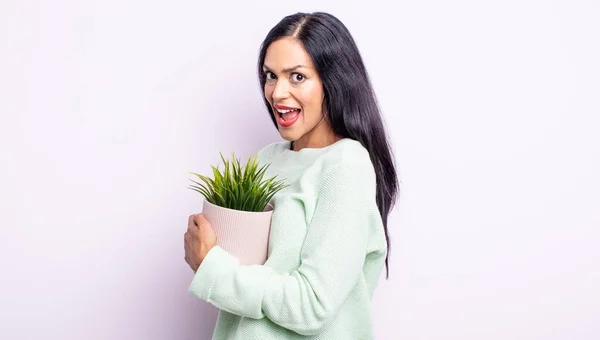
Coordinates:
(297,77)
(269,75)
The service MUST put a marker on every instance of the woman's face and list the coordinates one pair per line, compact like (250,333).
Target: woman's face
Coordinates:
(295,92)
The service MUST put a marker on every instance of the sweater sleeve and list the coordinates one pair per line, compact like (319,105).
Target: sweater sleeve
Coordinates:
(332,259)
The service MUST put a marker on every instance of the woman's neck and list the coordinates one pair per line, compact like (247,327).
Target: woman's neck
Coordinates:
(320,136)
(315,143)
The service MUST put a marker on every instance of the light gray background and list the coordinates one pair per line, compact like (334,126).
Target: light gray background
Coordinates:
(492,107)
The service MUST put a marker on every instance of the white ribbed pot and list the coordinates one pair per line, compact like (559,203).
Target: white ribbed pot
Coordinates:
(244,234)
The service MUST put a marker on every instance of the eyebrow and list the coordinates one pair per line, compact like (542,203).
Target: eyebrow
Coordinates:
(287,70)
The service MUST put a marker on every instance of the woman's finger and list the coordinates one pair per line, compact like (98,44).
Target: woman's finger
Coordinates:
(186,243)
(199,220)
(193,225)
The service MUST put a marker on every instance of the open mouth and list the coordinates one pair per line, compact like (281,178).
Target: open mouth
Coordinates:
(288,115)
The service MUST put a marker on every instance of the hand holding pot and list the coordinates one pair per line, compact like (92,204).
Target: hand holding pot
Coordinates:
(199,239)
(237,209)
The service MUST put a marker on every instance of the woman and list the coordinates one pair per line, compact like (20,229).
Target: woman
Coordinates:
(329,239)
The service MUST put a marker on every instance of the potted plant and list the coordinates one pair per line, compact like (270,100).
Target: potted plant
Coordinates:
(236,204)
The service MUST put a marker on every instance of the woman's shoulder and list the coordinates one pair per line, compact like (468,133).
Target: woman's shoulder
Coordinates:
(348,169)
(348,162)
(349,152)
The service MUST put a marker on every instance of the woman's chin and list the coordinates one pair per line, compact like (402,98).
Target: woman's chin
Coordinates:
(287,135)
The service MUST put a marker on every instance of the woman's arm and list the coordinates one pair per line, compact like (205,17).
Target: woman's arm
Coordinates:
(332,260)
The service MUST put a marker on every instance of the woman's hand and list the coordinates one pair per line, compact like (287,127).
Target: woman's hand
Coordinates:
(199,239)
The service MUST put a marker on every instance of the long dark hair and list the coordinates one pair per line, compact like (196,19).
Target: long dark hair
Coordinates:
(349,102)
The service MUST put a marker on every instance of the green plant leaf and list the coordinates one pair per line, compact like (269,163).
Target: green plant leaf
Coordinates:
(240,187)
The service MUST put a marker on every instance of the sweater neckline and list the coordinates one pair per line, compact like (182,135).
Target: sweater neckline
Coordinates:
(313,150)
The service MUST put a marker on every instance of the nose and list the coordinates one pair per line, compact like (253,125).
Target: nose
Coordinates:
(281,90)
